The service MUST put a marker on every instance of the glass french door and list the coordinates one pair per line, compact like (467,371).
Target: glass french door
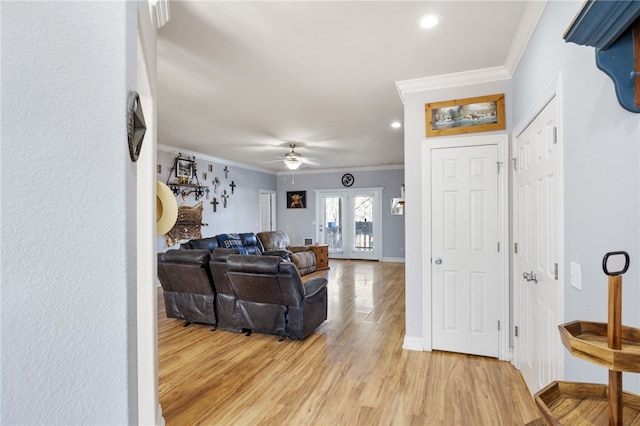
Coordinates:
(350,223)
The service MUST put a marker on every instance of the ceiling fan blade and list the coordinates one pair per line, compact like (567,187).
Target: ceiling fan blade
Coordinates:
(309,162)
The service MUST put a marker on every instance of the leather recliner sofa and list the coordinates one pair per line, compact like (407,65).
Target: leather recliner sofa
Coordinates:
(237,292)
(186,280)
(271,298)
(273,243)
(301,256)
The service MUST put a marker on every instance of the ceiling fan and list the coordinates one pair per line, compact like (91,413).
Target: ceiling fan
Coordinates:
(292,159)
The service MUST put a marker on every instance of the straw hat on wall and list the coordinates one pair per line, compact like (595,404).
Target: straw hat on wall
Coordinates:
(167,209)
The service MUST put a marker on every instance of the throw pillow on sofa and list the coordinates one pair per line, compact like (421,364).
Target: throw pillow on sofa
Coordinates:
(231,241)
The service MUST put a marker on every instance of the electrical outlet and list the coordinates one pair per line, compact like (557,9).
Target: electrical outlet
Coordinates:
(576,275)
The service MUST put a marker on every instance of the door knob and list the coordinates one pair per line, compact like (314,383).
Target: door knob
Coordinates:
(437,261)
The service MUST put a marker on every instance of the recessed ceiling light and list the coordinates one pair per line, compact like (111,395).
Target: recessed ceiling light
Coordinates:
(396,124)
(428,21)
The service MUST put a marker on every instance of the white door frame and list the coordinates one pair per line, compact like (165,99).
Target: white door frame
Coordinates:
(272,198)
(554,89)
(348,193)
(501,141)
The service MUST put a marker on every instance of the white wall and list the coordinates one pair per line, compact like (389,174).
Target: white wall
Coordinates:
(602,173)
(68,223)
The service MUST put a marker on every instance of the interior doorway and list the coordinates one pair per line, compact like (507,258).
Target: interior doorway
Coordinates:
(267,210)
(466,281)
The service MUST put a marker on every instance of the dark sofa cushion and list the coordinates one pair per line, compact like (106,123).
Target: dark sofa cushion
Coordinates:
(251,243)
(209,244)
(198,257)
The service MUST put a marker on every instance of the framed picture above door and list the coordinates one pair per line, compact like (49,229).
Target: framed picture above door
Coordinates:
(460,116)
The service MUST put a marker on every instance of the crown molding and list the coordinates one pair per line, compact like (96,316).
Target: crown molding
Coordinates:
(443,81)
(161,8)
(175,150)
(530,19)
(344,170)
(527,26)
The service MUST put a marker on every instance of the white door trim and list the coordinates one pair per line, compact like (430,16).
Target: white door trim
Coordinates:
(553,89)
(272,197)
(501,141)
(349,192)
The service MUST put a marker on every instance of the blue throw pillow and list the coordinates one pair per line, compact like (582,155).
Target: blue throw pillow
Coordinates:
(231,241)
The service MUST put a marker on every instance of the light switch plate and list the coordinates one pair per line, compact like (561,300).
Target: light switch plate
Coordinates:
(576,275)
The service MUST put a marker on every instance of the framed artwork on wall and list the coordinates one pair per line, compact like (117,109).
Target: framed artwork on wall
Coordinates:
(296,199)
(460,116)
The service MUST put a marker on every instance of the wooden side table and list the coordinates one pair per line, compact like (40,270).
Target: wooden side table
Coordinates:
(322,256)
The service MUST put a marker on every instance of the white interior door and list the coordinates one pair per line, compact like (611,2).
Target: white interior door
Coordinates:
(267,211)
(465,250)
(537,288)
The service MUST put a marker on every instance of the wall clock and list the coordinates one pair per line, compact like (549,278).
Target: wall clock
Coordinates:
(347,179)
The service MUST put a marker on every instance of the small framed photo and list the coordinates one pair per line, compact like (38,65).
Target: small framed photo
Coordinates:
(460,116)
(296,199)
(184,168)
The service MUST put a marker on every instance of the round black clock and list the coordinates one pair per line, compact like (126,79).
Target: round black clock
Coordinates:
(347,179)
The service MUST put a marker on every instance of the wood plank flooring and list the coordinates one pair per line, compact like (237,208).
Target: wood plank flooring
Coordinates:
(351,371)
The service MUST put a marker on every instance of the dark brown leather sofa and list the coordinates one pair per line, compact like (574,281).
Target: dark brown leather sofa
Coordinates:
(271,298)
(301,256)
(237,292)
(186,280)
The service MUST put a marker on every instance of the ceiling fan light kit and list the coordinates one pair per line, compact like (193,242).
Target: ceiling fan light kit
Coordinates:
(292,159)
(292,164)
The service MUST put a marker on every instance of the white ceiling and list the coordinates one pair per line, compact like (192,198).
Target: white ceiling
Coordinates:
(240,81)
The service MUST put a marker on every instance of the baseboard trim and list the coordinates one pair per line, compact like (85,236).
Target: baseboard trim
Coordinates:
(413,343)
(393,259)
(160,419)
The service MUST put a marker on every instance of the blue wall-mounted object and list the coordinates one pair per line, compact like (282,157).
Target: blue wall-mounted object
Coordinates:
(618,63)
(599,23)
(608,26)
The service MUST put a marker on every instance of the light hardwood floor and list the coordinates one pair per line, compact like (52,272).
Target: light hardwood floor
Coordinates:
(351,371)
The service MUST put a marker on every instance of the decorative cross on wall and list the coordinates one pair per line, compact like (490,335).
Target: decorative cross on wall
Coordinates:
(233,186)
(214,203)
(216,184)
(225,197)
(206,190)
(226,172)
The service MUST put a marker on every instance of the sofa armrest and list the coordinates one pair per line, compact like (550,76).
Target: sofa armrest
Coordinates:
(314,286)
(297,249)
(281,253)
